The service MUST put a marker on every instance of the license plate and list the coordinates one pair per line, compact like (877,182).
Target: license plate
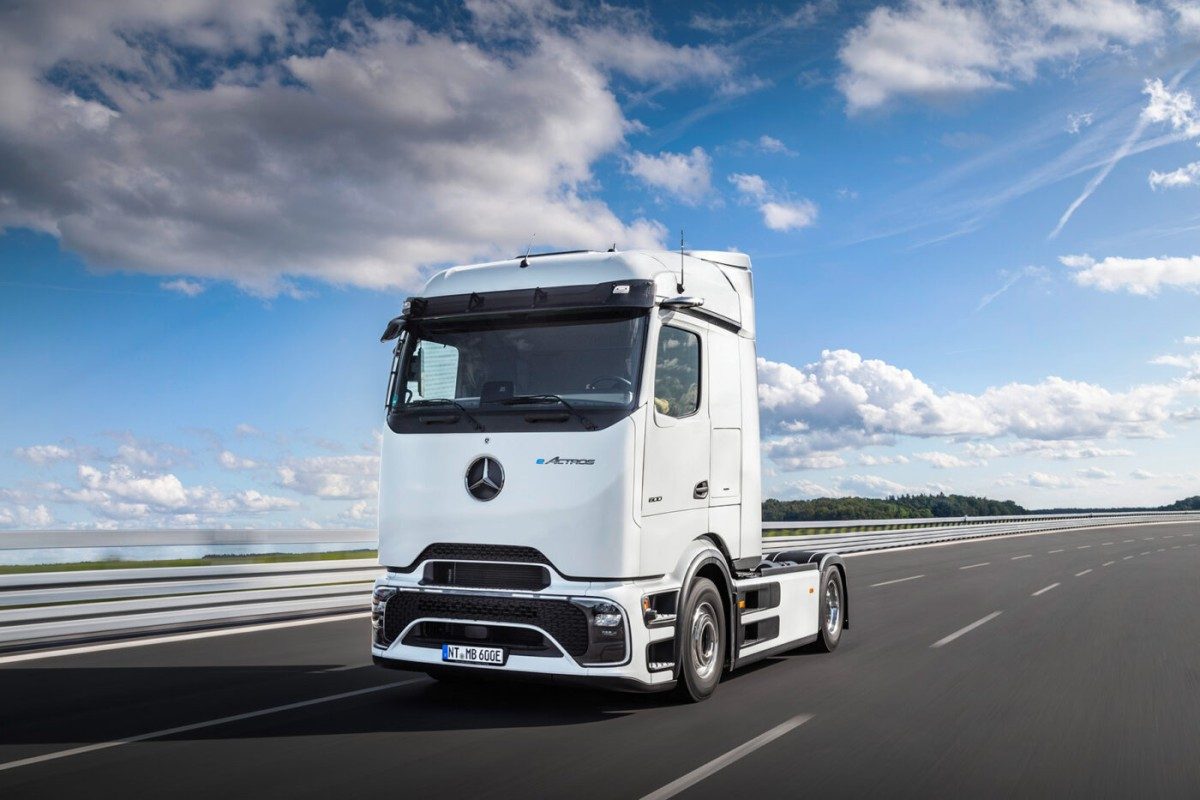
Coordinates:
(466,654)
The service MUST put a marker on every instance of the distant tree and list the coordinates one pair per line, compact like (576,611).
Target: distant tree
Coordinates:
(908,506)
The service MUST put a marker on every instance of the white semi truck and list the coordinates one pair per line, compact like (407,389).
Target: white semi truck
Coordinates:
(570,479)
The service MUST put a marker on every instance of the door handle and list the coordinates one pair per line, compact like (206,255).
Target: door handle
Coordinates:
(701,491)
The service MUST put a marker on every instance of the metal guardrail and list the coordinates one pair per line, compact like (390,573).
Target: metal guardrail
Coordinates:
(48,608)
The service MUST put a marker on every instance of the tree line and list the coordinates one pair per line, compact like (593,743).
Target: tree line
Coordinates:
(915,506)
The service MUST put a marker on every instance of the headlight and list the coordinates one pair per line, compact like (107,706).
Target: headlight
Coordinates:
(606,631)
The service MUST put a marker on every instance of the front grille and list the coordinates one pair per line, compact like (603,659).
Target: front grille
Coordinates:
(477,552)
(566,623)
(477,575)
(525,641)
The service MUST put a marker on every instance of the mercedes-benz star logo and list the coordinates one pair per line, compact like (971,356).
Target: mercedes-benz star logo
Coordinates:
(485,478)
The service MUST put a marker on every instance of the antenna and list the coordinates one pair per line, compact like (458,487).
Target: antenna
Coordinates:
(525,258)
(679,286)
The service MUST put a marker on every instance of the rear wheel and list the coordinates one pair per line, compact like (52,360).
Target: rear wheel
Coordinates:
(702,650)
(831,617)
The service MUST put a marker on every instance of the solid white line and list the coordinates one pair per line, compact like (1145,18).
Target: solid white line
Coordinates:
(1081,574)
(720,762)
(91,748)
(1044,590)
(174,637)
(948,639)
(898,580)
(1056,551)
(973,566)
(1108,563)
(1027,555)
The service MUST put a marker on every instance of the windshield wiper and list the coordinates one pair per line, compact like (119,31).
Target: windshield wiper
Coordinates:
(526,399)
(444,401)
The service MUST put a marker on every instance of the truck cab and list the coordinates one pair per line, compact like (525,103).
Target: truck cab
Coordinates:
(570,481)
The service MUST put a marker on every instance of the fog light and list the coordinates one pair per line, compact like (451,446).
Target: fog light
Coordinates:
(379,600)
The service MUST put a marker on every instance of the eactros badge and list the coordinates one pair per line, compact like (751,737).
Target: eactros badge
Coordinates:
(485,478)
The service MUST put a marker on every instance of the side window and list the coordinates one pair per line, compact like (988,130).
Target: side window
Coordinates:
(677,372)
(433,371)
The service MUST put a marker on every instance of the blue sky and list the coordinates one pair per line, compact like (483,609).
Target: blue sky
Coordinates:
(974,229)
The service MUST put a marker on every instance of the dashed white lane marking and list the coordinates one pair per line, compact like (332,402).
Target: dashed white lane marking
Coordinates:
(1127,541)
(1108,563)
(1081,574)
(343,668)
(1148,538)
(1027,555)
(1083,547)
(1056,551)
(973,566)
(1144,553)
(1044,589)
(1162,549)
(1105,544)
(1126,558)
(720,762)
(961,631)
(175,637)
(898,580)
(195,726)
(1175,547)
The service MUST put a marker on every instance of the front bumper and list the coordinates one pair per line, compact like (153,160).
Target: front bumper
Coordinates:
(535,629)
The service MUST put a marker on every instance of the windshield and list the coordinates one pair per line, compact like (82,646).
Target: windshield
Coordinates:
(508,365)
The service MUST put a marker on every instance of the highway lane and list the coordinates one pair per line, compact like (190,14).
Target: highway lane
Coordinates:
(1089,689)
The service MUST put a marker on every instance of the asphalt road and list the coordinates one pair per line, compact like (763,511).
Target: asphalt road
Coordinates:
(1087,689)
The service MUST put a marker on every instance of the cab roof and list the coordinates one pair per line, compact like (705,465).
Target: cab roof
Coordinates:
(706,274)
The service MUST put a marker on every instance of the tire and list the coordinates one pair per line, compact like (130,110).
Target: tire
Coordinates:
(831,617)
(702,642)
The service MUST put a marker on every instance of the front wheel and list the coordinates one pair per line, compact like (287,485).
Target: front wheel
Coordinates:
(831,619)
(702,650)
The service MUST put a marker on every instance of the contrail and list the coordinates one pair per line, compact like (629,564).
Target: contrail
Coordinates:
(1122,151)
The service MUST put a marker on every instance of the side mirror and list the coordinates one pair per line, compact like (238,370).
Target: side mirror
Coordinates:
(393,329)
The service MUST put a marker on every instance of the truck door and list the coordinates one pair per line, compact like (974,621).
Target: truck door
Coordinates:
(676,469)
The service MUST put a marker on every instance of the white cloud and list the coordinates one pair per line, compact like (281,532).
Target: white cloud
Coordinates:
(685,176)
(255,501)
(751,185)
(231,461)
(871,486)
(334,477)
(1140,276)
(362,511)
(1077,122)
(1175,108)
(42,454)
(869,460)
(183,286)
(941,460)
(932,48)
(1188,175)
(354,151)
(1142,475)
(25,517)
(1054,450)
(1044,480)
(1095,473)
(773,146)
(789,216)
(845,401)
(245,430)
(779,213)
(1188,15)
